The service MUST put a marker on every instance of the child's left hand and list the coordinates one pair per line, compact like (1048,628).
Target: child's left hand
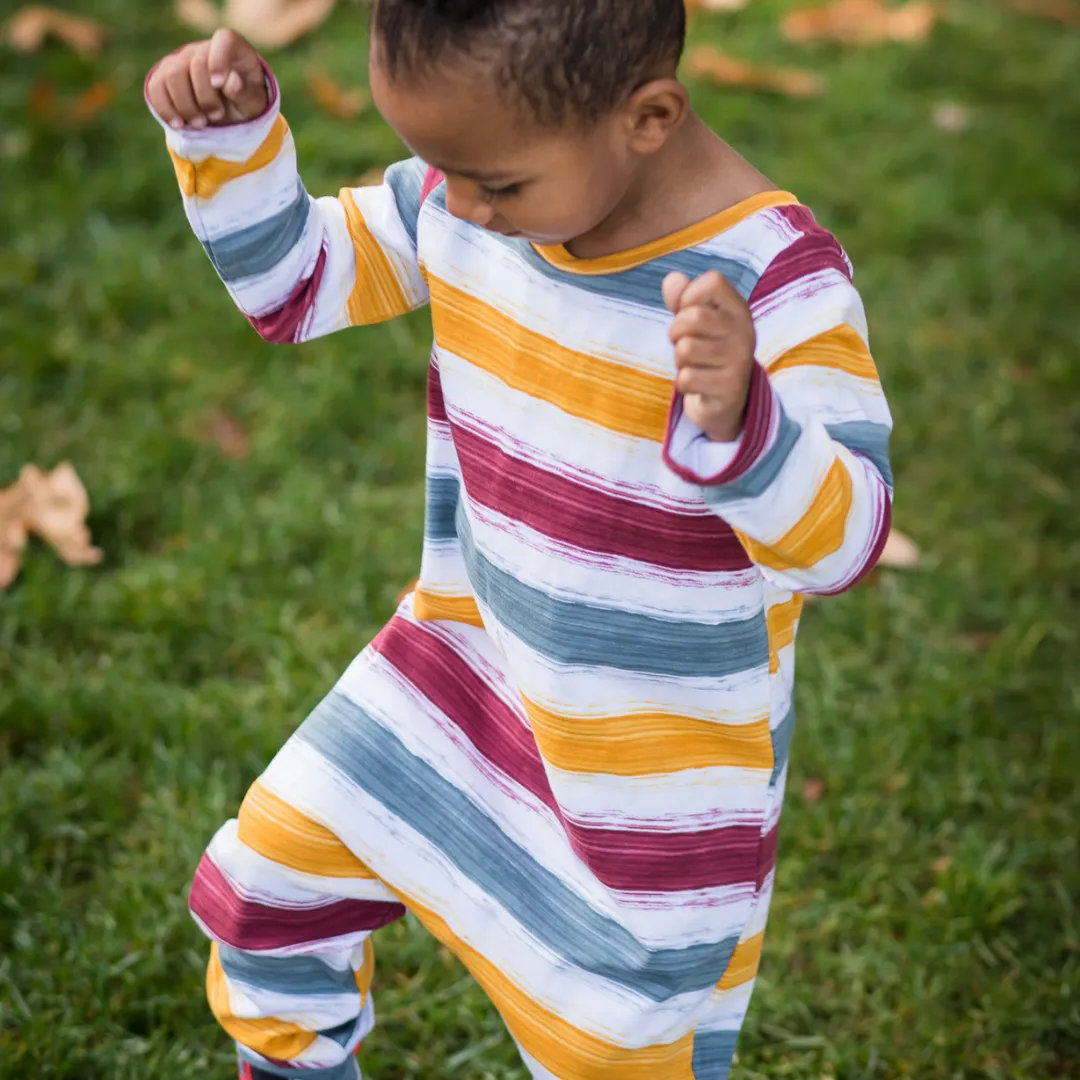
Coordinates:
(714,340)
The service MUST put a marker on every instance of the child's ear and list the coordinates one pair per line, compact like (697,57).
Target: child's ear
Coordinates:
(653,112)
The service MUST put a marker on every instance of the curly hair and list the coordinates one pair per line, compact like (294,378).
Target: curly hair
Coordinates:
(567,60)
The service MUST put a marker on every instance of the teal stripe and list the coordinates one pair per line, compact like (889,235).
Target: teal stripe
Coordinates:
(581,634)
(866,438)
(406,181)
(713,1053)
(347,1070)
(373,759)
(640,285)
(756,480)
(441,505)
(781,743)
(260,247)
(302,976)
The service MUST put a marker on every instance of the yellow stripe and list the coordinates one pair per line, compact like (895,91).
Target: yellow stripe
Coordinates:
(566,1051)
(366,973)
(282,834)
(819,532)
(429,607)
(781,621)
(745,961)
(840,348)
(645,744)
(612,395)
(270,1037)
(689,237)
(206,178)
(377,294)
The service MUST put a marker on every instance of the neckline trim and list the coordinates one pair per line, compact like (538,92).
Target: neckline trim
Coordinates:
(558,256)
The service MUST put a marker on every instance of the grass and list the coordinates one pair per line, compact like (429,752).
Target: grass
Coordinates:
(926,921)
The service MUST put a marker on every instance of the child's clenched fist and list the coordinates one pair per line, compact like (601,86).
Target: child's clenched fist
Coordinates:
(714,342)
(220,81)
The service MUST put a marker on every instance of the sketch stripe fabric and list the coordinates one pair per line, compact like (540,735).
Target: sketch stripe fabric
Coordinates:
(566,752)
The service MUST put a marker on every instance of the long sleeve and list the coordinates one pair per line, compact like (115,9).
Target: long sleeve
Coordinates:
(809,488)
(296,266)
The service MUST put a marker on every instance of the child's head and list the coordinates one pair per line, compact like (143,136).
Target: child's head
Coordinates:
(542,113)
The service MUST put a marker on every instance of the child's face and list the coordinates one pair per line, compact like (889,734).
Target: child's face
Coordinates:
(504,172)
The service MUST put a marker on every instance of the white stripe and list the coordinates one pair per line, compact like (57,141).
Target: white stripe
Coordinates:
(577,575)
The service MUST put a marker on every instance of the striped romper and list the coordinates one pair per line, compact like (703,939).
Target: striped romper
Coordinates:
(565,754)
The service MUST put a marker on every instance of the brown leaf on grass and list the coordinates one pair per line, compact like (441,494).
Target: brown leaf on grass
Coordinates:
(91,101)
(900,552)
(52,506)
(716,5)
(331,98)
(371,177)
(12,532)
(1065,12)
(813,789)
(42,102)
(861,22)
(707,62)
(267,24)
(28,28)
(982,640)
(951,117)
(199,15)
(229,435)
(941,865)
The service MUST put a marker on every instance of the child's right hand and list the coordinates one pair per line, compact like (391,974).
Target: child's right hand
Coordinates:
(215,82)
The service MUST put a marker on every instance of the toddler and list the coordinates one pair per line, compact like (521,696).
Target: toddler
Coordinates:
(653,426)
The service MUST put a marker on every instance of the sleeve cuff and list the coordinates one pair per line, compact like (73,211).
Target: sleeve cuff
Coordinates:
(693,457)
(229,141)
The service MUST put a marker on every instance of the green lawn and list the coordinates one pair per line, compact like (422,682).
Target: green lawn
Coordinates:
(925,923)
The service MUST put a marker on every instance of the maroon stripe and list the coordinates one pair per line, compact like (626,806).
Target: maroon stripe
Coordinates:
(283,325)
(630,861)
(448,682)
(816,250)
(245,924)
(436,405)
(670,862)
(583,517)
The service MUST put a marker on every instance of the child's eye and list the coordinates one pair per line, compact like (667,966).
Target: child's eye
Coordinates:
(503,192)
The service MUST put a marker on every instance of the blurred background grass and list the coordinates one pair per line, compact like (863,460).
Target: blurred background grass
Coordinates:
(925,923)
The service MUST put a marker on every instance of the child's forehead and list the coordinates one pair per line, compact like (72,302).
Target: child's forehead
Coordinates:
(462,122)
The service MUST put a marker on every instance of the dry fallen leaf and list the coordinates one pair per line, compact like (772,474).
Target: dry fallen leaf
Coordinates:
(716,5)
(860,22)
(92,100)
(44,104)
(28,28)
(1065,12)
(267,24)
(707,62)
(12,532)
(54,507)
(940,866)
(951,117)
(332,99)
(812,790)
(229,435)
(900,553)
(57,505)
(371,177)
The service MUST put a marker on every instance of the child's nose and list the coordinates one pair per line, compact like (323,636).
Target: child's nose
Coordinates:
(465,201)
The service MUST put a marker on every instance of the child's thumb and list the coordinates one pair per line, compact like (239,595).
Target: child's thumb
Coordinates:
(230,52)
(675,284)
